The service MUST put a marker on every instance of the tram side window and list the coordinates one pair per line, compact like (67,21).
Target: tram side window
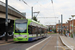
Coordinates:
(30,29)
(39,30)
(45,30)
(42,30)
(35,30)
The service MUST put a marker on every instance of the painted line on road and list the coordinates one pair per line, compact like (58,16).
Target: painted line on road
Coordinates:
(61,47)
(45,44)
(37,44)
(58,44)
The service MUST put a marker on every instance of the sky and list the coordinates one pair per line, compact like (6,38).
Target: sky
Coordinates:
(46,8)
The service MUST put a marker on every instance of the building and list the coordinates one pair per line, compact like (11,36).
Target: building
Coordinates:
(51,27)
(71,25)
(68,26)
(58,27)
(12,15)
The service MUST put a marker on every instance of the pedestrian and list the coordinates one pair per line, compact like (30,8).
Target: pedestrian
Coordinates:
(69,34)
(66,34)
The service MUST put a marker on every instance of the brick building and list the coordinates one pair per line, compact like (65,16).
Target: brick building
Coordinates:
(52,27)
(66,26)
(71,25)
(58,27)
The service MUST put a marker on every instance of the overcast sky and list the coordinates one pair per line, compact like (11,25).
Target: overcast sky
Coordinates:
(46,8)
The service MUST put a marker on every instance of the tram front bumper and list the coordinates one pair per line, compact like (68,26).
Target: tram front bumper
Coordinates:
(20,39)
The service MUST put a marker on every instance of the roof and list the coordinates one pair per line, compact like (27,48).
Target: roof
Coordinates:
(11,10)
(41,25)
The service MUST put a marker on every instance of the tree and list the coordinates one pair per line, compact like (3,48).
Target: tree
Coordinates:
(34,18)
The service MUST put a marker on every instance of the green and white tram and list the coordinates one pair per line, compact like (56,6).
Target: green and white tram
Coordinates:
(28,30)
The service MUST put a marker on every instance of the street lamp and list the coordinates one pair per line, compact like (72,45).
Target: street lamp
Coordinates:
(72,26)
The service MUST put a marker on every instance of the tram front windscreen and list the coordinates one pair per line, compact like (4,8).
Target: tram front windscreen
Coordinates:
(20,27)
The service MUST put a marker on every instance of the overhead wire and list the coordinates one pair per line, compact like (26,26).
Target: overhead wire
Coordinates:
(44,7)
(25,3)
(52,7)
(41,6)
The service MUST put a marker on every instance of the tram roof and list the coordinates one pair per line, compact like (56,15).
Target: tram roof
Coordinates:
(34,23)
(41,25)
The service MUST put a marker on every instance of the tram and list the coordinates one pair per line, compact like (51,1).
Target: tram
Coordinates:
(28,30)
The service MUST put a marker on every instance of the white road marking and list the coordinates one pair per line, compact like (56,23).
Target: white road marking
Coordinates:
(37,44)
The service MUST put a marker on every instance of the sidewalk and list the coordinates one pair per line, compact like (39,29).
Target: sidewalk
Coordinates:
(69,42)
(3,41)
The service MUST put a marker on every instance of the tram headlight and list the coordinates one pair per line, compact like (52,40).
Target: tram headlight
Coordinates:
(15,36)
(25,36)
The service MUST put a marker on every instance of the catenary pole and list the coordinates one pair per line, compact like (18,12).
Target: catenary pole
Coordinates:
(32,12)
(61,24)
(6,21)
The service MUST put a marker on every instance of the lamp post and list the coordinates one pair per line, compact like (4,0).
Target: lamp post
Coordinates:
(72,25)
(32,12)
(61,24)
(6,21)
(66,27)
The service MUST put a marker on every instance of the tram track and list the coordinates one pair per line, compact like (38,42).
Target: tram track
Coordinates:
(19,45)
(45,43)
(52,43)
(49,43)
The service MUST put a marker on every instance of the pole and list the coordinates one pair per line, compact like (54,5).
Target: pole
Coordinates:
(6,22)
(61,24)
(72,29)
(32,11)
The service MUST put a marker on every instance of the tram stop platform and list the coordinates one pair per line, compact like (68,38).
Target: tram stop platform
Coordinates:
(68,41)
